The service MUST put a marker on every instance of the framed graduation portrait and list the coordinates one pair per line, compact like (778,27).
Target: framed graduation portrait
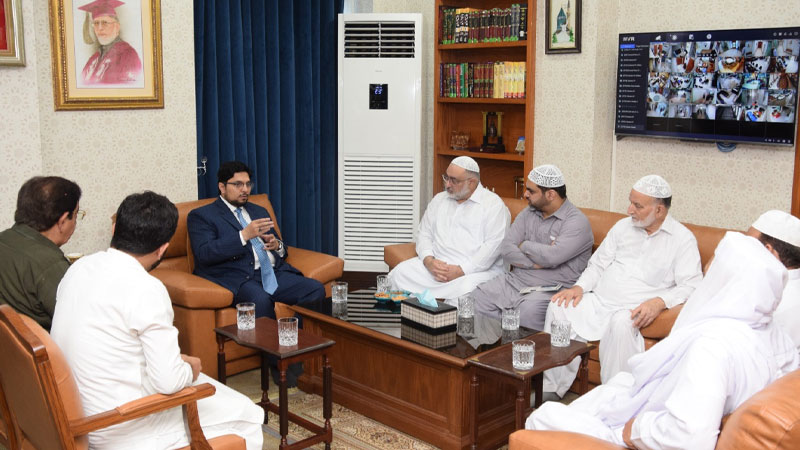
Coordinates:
(12,47)
(106,54)
(562,26)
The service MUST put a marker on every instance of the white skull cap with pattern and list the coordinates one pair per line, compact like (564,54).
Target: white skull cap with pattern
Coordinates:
(653,186)
(547,175)
(780,225)
(465,162)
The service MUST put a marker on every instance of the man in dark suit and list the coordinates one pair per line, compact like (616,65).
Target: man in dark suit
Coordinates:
(235,246)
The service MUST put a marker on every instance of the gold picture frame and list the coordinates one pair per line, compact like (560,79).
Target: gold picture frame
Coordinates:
(88,74)
(12,43)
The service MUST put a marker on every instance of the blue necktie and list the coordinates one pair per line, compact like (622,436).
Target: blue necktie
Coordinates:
(268,280)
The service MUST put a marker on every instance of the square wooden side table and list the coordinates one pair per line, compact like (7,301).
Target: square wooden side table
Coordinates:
(497,364)
(265,339)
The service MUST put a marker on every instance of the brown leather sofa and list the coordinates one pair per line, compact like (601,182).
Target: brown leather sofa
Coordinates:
(769,420)
(201,305)
(601,222)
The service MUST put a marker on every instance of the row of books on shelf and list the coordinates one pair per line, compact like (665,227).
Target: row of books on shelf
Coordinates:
(470,25)
(501,79)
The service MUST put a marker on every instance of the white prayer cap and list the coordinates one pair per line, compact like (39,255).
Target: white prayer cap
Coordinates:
(780,225)
(465,162)
(653,186)
(547,175)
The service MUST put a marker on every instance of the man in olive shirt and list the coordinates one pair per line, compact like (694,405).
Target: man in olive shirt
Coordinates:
(31,262)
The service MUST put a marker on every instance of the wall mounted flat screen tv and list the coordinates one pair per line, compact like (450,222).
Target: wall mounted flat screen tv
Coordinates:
(716,85)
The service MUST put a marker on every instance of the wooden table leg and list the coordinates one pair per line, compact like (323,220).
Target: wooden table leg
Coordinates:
(264,403)
(538,385)
(283,404)
(473,399)
(326,397)
(583,374)
(221,375)
(522,403)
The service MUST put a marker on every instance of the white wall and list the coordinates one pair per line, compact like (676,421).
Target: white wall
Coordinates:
(110,154)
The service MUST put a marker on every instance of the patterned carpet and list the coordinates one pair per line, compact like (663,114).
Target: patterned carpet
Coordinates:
(350,430)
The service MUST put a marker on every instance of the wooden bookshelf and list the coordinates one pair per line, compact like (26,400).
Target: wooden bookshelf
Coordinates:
(498,170)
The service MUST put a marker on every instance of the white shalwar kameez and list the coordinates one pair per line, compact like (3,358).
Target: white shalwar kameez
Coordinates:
(113,321)
(718,354)
(466,234)
(629,268)
(788,313)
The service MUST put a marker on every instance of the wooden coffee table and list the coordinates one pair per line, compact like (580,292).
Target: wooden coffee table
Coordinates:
(265,339)
(496,364)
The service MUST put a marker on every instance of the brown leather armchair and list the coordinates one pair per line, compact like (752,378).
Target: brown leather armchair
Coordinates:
(201,305)
(601,222)
(769,420)
(44,406)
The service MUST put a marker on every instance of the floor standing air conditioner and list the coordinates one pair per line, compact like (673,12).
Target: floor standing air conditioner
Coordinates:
(380,78)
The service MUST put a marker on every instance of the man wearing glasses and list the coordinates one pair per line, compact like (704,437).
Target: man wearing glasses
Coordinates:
(235,246)
(31,262)
(458,241)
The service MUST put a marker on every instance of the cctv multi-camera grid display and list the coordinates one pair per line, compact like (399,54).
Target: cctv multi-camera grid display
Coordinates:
(718,85)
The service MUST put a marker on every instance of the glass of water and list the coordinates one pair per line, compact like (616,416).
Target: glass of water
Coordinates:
(339,310)
(466,306)
(382,284)
(246,316)
(559,333)
(510,320)
(287,331)
(339,292)
(522,354)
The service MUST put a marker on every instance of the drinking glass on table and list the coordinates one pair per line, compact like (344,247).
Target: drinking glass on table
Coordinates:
(382,284)
(466,306)
(522,354)
(510,319)
(287,331)
(246,316)
(559,333)
(339,292)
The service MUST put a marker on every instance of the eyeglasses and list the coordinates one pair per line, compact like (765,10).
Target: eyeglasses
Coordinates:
(80,214)
(454,181)
(239,184)
(103,23)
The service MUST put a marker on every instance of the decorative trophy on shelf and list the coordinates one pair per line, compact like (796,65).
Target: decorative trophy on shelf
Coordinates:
(492,132)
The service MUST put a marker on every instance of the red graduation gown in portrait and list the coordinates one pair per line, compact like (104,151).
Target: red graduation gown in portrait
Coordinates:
(120,64)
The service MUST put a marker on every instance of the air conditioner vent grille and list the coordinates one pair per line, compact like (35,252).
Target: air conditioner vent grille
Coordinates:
(379,39)
(378,205)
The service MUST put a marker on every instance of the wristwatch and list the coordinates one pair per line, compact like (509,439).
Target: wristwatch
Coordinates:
(280,246)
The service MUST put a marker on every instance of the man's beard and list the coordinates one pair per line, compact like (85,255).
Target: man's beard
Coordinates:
(460,194)
(646,222)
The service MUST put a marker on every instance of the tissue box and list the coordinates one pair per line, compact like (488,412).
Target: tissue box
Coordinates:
(410,331)
(432,320)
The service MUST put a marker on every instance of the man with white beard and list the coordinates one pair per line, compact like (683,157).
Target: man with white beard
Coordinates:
(115,61)
(648,262)
(459,237)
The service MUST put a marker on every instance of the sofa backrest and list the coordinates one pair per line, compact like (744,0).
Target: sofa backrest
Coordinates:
(179,254)
(602,221)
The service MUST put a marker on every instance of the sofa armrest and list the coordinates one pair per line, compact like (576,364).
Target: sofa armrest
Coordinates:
(193,292)
(662,325)
(397,253)
(556,440)
(319,266)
